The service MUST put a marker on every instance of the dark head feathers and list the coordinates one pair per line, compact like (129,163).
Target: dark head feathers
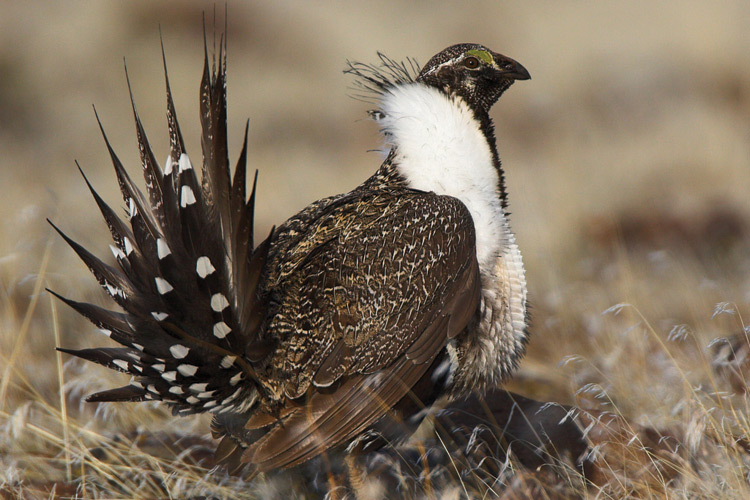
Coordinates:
(467,70)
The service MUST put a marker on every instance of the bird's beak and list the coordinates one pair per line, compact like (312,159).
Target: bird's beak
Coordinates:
(510,69)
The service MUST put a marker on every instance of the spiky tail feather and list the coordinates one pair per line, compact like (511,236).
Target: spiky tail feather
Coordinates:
(188,273)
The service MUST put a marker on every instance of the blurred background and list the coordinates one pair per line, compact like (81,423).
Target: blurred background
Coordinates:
(627,157)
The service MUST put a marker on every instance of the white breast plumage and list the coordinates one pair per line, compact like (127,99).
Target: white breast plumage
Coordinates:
(440,148)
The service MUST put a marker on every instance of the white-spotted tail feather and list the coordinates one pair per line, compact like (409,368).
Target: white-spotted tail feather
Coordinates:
(187,271)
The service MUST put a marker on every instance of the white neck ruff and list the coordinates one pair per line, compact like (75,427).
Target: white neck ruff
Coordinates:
(440,148)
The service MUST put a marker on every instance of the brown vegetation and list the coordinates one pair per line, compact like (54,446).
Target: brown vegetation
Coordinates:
(635,124)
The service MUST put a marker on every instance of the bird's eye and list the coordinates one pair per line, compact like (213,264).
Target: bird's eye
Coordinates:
(471,62)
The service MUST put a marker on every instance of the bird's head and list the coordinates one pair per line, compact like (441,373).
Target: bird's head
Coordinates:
(473,72)
(470,71)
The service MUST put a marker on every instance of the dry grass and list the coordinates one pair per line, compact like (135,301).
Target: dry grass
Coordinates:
(628,162)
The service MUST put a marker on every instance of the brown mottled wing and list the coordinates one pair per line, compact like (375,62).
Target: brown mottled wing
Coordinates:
(372,302)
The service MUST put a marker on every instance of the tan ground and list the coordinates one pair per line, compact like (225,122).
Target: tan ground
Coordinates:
(628,165)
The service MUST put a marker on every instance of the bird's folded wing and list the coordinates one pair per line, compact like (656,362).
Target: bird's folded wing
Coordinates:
(426,285)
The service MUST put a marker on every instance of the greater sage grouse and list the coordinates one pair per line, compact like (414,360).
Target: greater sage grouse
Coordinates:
(353,316)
